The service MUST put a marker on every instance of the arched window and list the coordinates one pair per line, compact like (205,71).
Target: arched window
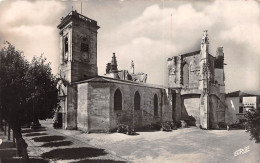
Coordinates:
(186,75)
(155,105)
(118,100)
(137,101)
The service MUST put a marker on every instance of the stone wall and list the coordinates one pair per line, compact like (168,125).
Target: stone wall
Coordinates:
(71,120)
(84,63)
(96,106)
(145,115)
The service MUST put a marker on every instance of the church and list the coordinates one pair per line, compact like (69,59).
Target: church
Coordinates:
(94,103)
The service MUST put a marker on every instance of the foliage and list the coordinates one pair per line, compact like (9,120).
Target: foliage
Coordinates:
(253,124)
(27,91)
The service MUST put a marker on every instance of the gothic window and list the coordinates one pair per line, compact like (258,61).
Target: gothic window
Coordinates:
(185,71)
(155,102)
(137,101)
(66,49)
(118,100)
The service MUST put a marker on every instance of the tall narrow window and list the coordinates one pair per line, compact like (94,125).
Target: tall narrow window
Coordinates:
(118,100)
(186,75)
(155,103)
(66,49)
(137,101)
(66,44)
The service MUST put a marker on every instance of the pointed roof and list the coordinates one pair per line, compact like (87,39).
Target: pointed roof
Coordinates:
(114,62)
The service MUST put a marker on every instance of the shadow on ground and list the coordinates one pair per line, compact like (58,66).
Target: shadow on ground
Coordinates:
(33,130)
(99,161)
(6,145)
(19,160)
(35,134)
(48,138)
(74,153)
(57,144)
(7,153)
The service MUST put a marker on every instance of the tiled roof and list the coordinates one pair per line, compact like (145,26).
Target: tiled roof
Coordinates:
(112,80)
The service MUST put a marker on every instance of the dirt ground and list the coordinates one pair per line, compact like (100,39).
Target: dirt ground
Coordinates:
(182,145)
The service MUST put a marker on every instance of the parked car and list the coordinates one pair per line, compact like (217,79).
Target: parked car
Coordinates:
(165,127)
(126,129)
(172,125)
(162,126)
(36,125)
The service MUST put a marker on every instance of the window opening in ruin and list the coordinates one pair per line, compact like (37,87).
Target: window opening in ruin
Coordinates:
(118,100)
(137,101)
(240,109)
(186,75)
(155,102)
(66,44)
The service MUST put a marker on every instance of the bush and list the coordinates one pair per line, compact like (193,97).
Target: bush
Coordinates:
(177,123)
(222,125)
(253,124)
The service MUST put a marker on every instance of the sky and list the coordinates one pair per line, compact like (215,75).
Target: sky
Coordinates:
(144,31)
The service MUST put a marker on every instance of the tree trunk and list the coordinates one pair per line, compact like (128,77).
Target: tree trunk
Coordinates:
(9,132)
(1,124)
(21,145)
(5,128)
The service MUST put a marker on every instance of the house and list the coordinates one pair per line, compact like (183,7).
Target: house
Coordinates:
(237,103)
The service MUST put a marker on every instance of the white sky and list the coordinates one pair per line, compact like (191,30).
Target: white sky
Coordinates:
(140,30)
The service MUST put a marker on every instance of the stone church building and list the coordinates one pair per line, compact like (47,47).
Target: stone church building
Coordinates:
(100,103)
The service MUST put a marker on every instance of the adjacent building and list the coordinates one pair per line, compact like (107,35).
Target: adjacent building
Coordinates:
(238,103)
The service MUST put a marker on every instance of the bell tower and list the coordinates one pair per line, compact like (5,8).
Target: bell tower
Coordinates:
(78,47)
(78,60)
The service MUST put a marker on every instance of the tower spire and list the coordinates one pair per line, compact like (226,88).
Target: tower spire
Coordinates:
(132,67)
(114,64)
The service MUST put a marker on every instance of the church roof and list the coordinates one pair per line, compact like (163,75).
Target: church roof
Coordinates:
(113,80)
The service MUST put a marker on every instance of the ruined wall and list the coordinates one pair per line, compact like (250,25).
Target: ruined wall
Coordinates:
(211,61)
(176,72)
(191,106)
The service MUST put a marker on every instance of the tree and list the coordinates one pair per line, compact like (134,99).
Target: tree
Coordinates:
(253,124)
(27,92)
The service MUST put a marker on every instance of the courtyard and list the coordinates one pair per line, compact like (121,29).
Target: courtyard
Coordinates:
(182,145)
